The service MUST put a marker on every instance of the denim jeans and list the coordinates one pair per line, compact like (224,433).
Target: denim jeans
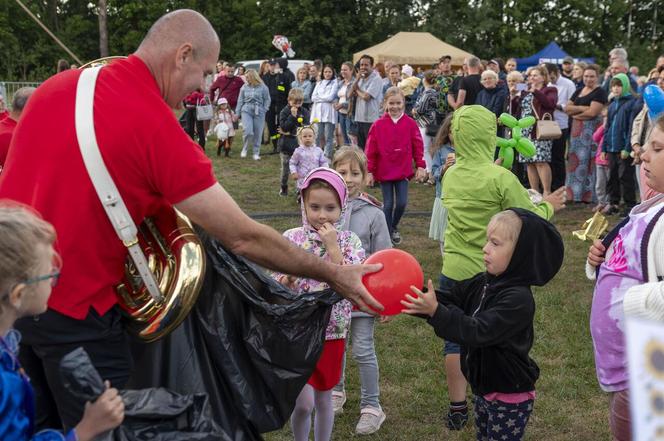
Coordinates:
(344,123)
(364,354)
(395,199)
(252,131)
(326,133)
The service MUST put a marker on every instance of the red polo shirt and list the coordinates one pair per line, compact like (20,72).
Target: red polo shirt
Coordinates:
(149,156)
(7,126)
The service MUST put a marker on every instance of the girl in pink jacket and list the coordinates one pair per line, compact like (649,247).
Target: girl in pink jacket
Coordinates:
(393,144)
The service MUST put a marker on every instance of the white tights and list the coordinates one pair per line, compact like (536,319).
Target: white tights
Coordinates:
(308,400)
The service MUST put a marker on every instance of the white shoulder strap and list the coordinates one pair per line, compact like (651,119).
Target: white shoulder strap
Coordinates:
(101,179)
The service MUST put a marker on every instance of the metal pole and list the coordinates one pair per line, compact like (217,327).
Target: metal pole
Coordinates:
(48,31)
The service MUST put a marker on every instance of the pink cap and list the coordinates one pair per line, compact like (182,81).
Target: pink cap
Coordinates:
(331,177)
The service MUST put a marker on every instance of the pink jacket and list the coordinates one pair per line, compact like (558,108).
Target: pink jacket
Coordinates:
(598,137)
(392,147)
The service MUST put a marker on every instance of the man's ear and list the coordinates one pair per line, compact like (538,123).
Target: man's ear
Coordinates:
(16,295)
(184,54)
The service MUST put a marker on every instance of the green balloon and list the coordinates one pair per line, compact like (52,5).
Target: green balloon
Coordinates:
(516,133)
(508,120)
(507,155)
(502,142)
(526,147)
(526,122)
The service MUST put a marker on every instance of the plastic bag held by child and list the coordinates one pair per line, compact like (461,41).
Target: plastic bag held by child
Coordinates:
(156,414)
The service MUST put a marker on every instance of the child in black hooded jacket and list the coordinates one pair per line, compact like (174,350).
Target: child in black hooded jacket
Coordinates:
(491,316)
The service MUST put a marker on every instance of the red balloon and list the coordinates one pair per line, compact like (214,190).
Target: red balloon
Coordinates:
(391,284)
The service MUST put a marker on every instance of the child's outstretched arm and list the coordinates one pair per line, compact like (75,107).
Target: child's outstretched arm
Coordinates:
(508,315)
(425,303)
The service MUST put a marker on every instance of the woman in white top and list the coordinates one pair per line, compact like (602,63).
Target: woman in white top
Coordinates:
(323,98)
(345,83)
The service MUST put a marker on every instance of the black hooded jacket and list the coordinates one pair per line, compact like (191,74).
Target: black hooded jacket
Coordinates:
(491,317)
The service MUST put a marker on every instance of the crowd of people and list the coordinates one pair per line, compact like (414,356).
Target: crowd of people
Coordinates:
(370,124)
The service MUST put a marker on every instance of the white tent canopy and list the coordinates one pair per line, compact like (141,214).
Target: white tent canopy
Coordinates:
(415,48)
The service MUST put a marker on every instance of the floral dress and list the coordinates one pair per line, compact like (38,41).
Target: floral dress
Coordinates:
(542,148)
(307,238)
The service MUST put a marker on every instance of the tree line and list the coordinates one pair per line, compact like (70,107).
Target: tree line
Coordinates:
(332,29)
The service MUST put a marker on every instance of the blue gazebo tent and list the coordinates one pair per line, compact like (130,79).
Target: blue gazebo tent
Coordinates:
(552,53)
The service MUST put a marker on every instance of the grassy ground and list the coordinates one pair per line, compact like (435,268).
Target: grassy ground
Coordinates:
(569,405)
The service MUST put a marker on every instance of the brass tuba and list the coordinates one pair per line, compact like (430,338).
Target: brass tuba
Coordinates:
(175,256)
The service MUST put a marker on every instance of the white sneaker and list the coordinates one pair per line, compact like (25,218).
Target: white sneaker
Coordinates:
(257,157)
(338,401)
(370,421)
(243,153)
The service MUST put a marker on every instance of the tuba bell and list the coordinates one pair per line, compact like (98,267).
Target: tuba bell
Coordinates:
(176,258)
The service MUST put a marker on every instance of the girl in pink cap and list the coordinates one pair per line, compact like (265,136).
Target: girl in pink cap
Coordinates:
(324,197)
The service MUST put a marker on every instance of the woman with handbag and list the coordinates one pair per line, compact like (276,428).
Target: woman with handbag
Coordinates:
(585,108)
(539,101)
(425,113)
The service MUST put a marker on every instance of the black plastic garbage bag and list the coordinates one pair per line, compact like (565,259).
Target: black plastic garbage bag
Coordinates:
(249,343)
(155,414)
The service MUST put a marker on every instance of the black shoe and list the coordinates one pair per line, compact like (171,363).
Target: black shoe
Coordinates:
(283,191)
(396,237)
(457,420)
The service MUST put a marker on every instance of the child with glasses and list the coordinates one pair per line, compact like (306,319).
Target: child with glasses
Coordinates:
(29,268)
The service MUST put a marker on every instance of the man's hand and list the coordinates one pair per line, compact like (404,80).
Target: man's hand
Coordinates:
(557,199)
(348,283)
(370,180)
(294,176)
(425,302)
(596,253)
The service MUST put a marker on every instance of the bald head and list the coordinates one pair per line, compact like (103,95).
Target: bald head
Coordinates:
(180,49)
(19,101)
(172,30)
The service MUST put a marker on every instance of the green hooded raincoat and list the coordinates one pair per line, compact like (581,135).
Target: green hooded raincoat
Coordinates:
(474,190)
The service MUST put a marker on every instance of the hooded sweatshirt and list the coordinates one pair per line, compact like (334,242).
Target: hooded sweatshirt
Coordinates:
(364,217)
(491,317)
(621,113)
(392,147)
(307,238)
(474,189)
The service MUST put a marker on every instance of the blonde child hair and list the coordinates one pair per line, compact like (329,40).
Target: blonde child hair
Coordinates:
(392,91)
(22,230)
(296,94)
(507,222)
(302,129)
(353,155)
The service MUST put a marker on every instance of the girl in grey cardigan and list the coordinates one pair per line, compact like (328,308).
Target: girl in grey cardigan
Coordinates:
(365,218)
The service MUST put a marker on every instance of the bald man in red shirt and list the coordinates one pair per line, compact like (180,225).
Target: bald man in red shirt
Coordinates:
(153,162)
(8,124)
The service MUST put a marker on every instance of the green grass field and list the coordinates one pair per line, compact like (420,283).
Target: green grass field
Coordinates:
(569,405)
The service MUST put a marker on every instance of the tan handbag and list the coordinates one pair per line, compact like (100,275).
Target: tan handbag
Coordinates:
(546,129)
